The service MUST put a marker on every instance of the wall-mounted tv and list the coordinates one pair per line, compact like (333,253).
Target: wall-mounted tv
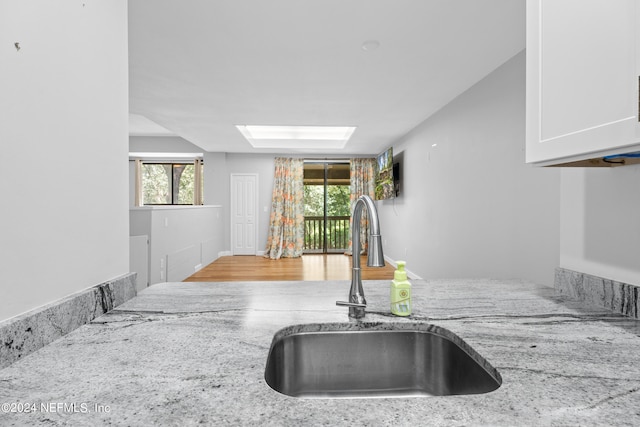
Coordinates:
(384,175)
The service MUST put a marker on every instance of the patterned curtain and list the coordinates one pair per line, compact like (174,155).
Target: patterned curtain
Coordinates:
(286,228)
(362,182)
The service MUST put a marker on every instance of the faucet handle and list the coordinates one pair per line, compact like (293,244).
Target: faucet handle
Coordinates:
(356,309)
(351,304)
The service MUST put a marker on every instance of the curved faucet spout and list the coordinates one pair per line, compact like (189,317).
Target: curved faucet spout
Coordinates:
(375,257)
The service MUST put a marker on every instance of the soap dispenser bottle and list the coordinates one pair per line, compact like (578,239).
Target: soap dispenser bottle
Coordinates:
(400,292)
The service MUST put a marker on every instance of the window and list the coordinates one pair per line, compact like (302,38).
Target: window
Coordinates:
(168,183)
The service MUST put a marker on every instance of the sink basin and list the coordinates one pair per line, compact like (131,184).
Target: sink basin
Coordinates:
(341,360)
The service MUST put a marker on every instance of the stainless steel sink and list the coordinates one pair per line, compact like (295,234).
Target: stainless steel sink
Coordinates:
(375,360)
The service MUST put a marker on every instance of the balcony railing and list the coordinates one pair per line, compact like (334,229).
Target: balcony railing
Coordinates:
(337,234)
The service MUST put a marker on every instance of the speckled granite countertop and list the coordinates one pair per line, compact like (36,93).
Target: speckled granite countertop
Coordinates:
(194,354)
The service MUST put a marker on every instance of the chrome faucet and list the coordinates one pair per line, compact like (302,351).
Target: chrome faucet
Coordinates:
(357,303)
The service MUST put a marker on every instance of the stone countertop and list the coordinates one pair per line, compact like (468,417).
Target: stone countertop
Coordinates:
(194,354)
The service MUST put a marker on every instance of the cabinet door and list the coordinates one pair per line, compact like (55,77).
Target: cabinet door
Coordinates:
(582,84)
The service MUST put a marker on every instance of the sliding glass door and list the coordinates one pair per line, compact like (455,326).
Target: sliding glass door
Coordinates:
(326,211)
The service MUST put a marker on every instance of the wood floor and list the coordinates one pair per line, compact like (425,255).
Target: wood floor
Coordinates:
(307,267)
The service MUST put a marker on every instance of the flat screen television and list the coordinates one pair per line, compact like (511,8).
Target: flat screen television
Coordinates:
(384,183)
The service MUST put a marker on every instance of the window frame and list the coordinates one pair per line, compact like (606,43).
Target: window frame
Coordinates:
(198,165)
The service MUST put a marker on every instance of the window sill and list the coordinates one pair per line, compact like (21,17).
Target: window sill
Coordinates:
(171,207)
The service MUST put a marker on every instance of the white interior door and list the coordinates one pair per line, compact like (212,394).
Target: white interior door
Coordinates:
(244,212)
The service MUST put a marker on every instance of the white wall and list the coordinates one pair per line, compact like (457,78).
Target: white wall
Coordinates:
(470,207)
(182,239)
(216,179)
(600,222)
(216,192)
(64,110)
(162,144)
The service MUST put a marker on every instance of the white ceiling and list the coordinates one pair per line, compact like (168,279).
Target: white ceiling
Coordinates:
(200,67)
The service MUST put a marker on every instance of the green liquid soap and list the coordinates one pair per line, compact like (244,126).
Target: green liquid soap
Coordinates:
(400,292)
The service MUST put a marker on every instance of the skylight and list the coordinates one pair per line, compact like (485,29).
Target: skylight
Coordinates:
(292,137)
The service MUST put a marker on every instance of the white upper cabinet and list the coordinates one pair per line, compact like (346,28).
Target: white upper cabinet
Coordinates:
(582,79)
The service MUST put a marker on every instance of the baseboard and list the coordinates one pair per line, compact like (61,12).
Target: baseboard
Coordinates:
(28,332)
(229,253)
(622,298)
(410,274)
